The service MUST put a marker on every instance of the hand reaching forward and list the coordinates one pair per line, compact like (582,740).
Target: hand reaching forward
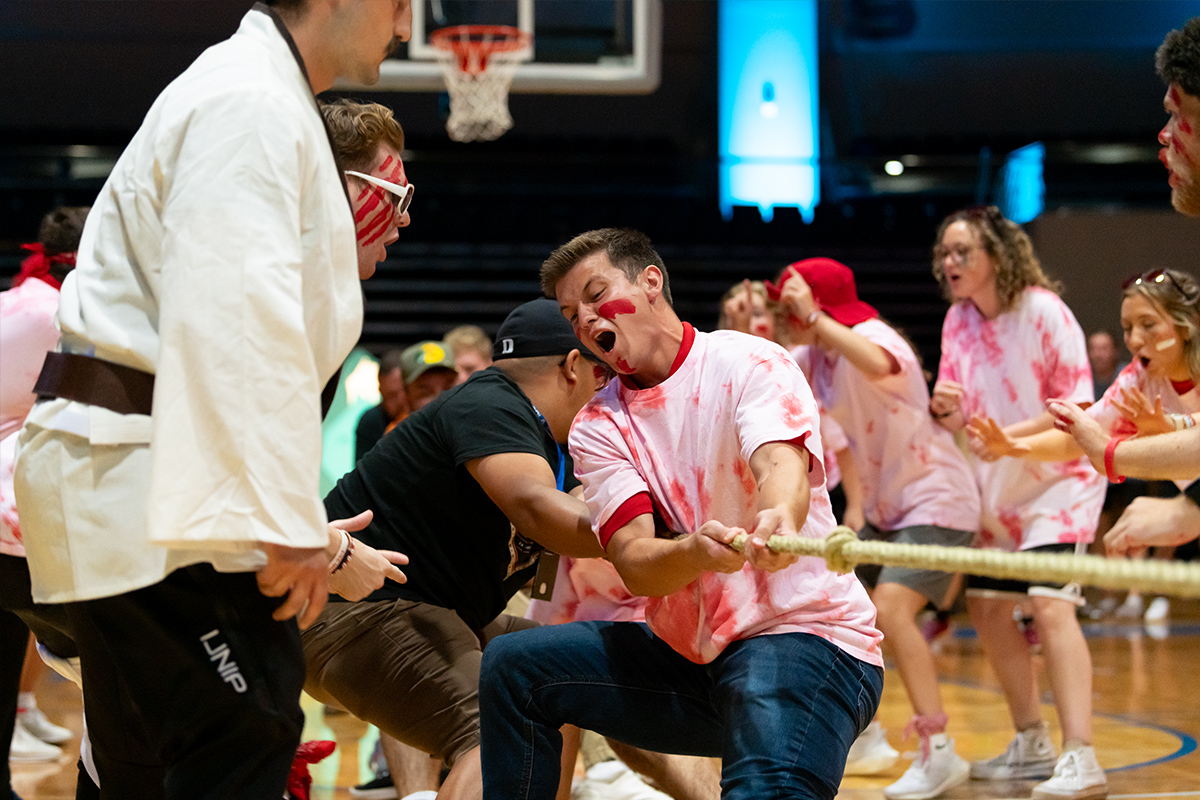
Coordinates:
(1086,431)
(1136,407)
(367,568)
(989,441)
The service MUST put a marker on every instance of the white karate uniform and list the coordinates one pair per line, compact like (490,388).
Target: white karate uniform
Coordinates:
(220,256)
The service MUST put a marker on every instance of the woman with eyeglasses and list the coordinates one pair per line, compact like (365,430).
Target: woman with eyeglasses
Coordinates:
(1154,394)
(1009,344)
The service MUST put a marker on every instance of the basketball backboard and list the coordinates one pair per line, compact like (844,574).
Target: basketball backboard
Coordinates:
(579,46)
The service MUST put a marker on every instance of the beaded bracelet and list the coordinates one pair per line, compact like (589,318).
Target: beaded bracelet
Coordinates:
(338,560)
(1182,421)
(345,559)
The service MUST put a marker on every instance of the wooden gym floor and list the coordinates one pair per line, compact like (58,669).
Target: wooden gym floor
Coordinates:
(1147,718)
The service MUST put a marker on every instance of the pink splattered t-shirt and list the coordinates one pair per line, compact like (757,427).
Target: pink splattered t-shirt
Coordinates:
(687,443)
(1134,376)
(1009,367)
(833,438)
(912,472)
(588,589)
(27,332)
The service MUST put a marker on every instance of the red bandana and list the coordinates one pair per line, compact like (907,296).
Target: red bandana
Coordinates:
(38,264)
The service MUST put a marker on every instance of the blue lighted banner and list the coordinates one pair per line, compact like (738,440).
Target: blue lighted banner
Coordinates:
(1022,191)
(769,145)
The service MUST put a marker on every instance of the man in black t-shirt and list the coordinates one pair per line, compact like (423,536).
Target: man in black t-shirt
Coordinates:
(471,489)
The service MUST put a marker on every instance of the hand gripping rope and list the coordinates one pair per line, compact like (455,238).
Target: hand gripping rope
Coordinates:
(842,550)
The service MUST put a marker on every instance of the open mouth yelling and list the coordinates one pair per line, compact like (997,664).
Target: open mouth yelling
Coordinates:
(606,340)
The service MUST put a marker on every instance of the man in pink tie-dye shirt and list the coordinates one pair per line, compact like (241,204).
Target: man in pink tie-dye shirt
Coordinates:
(766,659)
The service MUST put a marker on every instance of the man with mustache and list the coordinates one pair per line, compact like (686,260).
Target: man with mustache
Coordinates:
(169,482)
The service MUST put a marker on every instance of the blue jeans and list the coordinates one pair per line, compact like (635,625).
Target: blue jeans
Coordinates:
(781,710)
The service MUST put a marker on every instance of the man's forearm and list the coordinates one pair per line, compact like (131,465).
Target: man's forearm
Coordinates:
(657,567)
(1168,456)
(781,471)
(560,523)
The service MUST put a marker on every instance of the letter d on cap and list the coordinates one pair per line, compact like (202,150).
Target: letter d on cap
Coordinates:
(506,346)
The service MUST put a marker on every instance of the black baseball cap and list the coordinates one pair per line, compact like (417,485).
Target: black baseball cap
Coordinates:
(536,328)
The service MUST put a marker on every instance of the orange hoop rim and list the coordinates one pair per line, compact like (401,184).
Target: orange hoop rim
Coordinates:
(484,39)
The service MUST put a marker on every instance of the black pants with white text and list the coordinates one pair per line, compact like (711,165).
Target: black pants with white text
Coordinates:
(191,690)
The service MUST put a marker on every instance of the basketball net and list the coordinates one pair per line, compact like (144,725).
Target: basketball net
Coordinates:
(478,62)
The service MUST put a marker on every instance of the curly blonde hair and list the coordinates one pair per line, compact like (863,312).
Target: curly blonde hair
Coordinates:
(1177,295)
(1017,268)
(357,129)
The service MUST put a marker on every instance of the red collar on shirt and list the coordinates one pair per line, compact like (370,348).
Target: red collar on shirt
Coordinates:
(1183,387)
(685,347)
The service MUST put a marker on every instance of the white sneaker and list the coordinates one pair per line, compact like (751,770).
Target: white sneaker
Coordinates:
(1077,776)
(870,754)
(34,721)
(1131,609)
(1158,610)
(28,749)
(1029,755)
(931,774)
(612,780)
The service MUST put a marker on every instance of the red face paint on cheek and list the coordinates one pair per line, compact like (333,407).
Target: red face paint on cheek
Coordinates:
(624,366)
(615,307)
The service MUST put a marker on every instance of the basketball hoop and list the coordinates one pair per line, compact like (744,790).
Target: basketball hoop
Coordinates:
(479,62)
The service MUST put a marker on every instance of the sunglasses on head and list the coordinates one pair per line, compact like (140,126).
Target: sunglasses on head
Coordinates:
(1153,276)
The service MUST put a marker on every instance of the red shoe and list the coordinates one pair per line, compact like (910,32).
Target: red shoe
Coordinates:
(299,782)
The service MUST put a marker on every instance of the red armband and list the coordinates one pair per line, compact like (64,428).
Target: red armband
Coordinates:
(1110,452)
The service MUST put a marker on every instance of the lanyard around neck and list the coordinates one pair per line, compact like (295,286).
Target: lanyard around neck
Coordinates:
(560,475)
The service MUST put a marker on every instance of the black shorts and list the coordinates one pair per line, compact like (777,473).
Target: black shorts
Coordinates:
(984,586)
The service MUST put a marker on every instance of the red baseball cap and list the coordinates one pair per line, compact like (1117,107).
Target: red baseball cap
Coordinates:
(833,288)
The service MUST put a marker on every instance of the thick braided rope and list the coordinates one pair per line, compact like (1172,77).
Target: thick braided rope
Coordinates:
(842,550)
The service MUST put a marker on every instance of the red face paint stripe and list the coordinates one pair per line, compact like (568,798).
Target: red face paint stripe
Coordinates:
(368,230)
(371,224)
(386,162)
(614,308)
(369,205)
(363,193)
(383,221)
(396,175)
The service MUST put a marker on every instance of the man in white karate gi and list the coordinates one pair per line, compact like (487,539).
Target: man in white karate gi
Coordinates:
(168,480)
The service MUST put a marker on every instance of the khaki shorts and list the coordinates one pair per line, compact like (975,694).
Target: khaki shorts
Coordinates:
(933,584)
(411,669)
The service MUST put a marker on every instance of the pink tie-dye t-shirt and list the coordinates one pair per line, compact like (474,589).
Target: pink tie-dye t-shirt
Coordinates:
(1134,376)
(1009,367)
(27,332)
(833,438)
(911,470)
(588,589)
(687,442)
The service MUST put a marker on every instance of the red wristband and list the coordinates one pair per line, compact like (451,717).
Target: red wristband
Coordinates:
(1110,452)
